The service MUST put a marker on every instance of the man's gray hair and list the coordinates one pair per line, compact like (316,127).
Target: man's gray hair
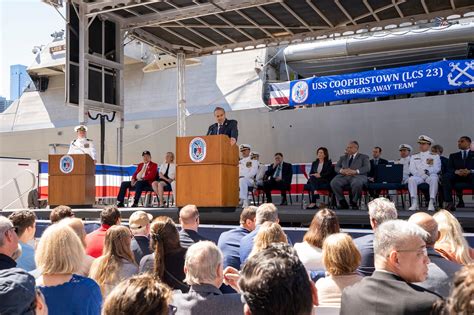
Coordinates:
(394,234)
(5,225)
(202,260)
(266,212)
(381,210)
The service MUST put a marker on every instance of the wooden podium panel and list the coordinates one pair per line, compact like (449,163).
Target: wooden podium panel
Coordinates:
(73,188)
(213,181)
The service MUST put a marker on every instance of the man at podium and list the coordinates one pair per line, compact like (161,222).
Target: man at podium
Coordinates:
(82,145)
(224,126)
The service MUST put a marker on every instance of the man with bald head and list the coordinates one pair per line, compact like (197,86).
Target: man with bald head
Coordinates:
(440,270)
(189,220)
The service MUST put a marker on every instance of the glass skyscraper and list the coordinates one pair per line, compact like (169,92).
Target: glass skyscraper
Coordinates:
(19,81)
(4,103)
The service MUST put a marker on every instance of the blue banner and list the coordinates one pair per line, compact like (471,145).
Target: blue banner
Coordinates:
(429,77)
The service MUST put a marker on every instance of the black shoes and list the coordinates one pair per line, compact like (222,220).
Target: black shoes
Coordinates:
(135,205)
(343,204)
(460,204)
(284,203)
(120,205)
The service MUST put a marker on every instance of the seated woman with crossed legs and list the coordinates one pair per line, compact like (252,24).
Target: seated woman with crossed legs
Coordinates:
(166,178)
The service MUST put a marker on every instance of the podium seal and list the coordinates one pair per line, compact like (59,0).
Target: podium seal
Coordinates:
(197,149)
(66,164)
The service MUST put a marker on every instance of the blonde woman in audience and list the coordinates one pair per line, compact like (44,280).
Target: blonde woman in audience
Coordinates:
(58,256)
(139,295)
(78,227)
(341,259)
(324,223)
(269,233)
(117,263)
(451,244)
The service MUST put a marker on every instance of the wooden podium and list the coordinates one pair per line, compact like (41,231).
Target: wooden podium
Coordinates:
(71,180)
(207,172)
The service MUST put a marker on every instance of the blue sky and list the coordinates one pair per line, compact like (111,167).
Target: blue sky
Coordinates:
(23,24)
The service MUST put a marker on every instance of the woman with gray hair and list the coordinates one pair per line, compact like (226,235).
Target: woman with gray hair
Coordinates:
(204,273)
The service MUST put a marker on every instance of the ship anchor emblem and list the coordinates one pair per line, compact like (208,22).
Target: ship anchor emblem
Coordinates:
(454,78)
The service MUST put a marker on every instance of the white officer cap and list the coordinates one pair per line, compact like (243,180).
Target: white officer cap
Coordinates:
(254,153)
(405,146)
(245,147)
(80,127)
(425,139)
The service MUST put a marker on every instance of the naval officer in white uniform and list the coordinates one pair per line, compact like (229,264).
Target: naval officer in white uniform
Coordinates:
(405,151)
(424,167)
(82,145)
(247,170)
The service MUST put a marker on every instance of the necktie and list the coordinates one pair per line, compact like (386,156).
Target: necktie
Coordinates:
(350,160)
(166,172)
(464,155)
(142,171)
(219,130)
(278,171)
(376,162)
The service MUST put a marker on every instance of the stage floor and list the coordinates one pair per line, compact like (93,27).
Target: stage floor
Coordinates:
(291,215)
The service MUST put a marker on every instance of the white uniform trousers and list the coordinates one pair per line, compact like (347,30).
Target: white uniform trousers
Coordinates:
(431,180)
(244,184)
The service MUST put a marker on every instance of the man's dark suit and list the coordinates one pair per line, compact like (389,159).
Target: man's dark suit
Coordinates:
(365,245)
(229,128)
(456,162)
(189,237)
(140,246)
(386,293)
(270,183)
(361,163)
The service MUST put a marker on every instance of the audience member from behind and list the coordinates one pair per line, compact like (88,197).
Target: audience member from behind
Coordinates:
(204,273)
(265,212)
(400,260)
(117,262)
(167,259)
(19,295)
(275,282)
(380,211)
(461,299)
(341,259)
(189,220)
(324,223)
(452,244)
(78,227)
(95,241)
(229,241)
(59,213)
(440,270)
(138,295)
(269,233)
(25,222)
(8,243)
(139,223)
(58,256)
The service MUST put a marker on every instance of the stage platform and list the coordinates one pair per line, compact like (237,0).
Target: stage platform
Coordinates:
(290,216)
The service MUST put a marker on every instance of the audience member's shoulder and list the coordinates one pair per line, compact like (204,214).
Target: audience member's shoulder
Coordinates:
(364,239)
(84,281)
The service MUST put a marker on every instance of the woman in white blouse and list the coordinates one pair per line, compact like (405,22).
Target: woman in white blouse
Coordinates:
(166,178)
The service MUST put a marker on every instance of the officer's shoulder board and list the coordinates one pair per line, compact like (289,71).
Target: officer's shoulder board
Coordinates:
(89,139)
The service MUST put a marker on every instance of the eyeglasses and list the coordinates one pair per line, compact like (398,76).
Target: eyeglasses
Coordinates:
(420,251)
(14,228)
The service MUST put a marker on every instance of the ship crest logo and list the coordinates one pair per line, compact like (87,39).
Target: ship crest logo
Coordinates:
(197,149)
(299,92)
(461,76)
(66,164)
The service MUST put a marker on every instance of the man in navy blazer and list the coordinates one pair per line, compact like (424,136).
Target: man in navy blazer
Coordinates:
(278,176)
(372,174)
(460,170)
(224,126)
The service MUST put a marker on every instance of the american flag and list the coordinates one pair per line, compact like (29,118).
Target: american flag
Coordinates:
(278,94)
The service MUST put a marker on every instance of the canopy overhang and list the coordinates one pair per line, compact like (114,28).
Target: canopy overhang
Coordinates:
(201,27)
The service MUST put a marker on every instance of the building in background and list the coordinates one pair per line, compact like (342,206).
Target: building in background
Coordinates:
(4,103)
(19,81)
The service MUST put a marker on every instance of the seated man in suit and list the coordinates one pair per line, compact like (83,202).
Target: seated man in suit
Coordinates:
(352,169)
(142,179)
(278,176)
(380,210)
(424,167)
(189,220)
(224,126)
(205,274)
(400,259)
(460,170)
(440,270)
(372,174)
